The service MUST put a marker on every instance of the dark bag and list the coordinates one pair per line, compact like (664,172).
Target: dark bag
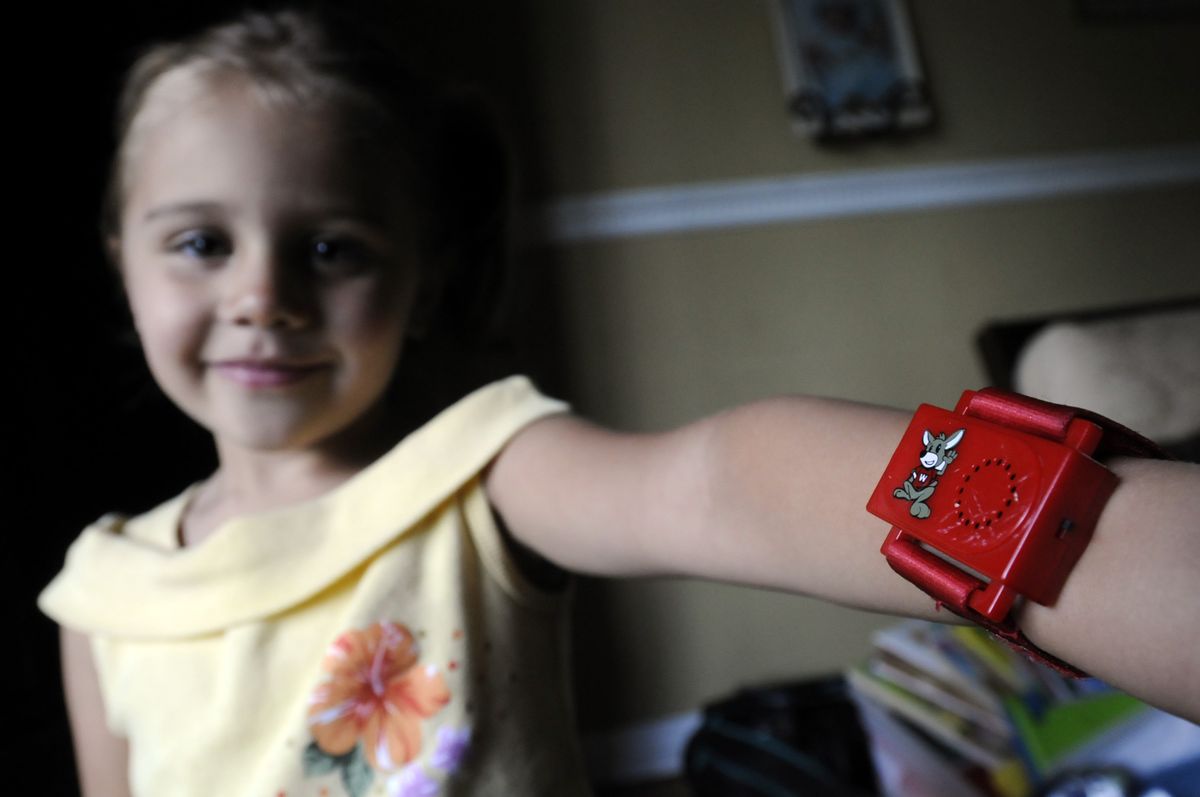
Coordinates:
(785,741)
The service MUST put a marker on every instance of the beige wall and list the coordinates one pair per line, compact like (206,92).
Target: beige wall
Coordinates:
(648,92)
(661,329)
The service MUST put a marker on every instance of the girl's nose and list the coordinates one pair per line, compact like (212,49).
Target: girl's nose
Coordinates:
(261,294)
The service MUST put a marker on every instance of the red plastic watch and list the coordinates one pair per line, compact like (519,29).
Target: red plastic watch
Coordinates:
(996,501)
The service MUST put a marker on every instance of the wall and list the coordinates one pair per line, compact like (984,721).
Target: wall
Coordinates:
(660,329)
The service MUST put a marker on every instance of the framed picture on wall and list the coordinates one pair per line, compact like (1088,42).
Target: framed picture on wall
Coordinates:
(850,67)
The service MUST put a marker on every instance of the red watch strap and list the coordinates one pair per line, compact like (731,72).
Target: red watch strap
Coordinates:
(1051,420)
(1010,633)
(951,589)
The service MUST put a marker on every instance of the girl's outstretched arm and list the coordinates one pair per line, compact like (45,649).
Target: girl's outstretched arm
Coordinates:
(101,758)
(772,494)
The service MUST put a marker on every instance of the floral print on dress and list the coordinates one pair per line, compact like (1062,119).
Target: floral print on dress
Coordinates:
(448,753)
(452,745)
(367,713)
(412,781)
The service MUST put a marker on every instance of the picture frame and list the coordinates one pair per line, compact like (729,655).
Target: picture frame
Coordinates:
(850,67)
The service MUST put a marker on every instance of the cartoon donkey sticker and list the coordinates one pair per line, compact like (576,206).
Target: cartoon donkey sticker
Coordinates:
(939,452)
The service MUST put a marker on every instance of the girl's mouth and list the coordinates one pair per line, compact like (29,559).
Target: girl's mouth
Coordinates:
(264,374)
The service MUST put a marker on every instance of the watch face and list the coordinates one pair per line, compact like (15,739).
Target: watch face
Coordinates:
(990,488)
(962,485)
(992,501)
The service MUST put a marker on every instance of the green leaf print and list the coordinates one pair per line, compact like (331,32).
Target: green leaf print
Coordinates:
(356,773)
(318,762)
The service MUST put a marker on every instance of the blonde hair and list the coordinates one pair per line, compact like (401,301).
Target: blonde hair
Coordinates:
(456,164)
(286,58)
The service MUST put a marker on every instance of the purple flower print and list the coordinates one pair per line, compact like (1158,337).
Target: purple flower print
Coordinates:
(451,747)
(412,782)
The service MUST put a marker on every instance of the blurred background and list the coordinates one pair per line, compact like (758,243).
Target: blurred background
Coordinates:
(623,114)
(880,307)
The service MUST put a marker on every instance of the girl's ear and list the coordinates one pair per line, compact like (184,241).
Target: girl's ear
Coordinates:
(112,250)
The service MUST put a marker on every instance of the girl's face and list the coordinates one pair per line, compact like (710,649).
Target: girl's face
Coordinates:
(270,266)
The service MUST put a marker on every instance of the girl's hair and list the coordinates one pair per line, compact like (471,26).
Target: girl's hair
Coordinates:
(446,142)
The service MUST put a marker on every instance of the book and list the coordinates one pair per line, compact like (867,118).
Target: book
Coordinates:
(984,715)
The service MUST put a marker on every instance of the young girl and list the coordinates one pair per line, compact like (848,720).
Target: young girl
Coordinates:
(344,608)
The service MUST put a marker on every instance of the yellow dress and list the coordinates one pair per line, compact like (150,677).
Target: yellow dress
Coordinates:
(376,640)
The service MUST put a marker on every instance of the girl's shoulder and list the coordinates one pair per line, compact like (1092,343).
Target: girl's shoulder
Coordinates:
(157,527)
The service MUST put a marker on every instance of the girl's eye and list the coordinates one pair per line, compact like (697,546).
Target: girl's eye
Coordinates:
(339,255)
(201,245)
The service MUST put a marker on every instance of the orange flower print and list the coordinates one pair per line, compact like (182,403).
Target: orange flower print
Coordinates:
(374,690)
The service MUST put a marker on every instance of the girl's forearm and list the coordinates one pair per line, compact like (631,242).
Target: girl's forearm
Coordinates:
(787,482)
(1128,612)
